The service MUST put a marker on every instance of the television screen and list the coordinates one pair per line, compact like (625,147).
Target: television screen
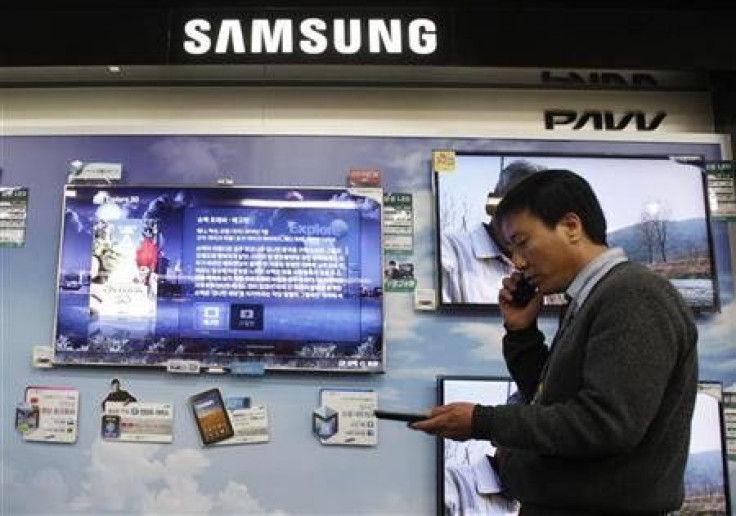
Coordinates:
(286,278)
(656,208)
(466,481)
(706,474)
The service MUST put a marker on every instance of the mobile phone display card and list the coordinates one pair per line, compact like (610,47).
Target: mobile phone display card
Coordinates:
(58,413)
(250,426)
(139,422)
(356,424)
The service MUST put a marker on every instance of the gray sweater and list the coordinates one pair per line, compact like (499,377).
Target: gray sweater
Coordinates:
(611,428)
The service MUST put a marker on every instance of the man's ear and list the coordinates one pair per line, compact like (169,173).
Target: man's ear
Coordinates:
(572,227)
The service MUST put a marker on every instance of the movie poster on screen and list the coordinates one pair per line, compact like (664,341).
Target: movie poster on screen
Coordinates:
(721,189)
(123,278)
(13,215)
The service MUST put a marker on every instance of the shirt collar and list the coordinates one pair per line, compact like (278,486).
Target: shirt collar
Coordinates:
(591,274)
(483,245)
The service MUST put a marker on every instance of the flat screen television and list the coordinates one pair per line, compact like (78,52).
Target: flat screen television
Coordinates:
(466,481)
(707,488)
(656,208)
(283,278)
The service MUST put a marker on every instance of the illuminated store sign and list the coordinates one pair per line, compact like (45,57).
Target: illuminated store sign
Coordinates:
(309,36)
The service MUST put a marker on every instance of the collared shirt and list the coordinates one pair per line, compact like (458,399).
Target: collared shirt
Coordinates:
(472,267)
(589,276)
(577,292)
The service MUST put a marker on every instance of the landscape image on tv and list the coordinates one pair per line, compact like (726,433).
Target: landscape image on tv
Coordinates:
(656,209)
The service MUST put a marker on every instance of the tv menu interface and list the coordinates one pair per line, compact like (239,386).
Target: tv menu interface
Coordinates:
(290,278)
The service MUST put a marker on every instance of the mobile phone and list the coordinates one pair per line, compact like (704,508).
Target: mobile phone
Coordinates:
(211,416)
(407,417)
(523,293)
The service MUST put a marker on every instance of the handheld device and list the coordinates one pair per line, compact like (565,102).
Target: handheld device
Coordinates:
(211,416)
(524,292)
(407,417)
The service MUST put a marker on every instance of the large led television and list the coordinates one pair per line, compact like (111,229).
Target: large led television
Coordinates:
(278,278)
(656,207)
(706,474)
(467,482)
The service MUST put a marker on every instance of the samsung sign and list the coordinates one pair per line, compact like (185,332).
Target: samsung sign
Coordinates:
(233,37)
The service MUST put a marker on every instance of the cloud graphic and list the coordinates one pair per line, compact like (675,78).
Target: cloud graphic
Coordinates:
(44,492)
(486,335)
(716,337)
(129,479)
(401,323)
(193,159)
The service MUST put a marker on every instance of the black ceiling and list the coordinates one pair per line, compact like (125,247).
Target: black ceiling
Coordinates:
(644,34)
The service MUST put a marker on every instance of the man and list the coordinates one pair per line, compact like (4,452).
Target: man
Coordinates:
(474,262)
(117,394)
(606,421)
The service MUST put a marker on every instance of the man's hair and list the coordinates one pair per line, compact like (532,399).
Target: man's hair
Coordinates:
(514,173)
(551,194)
(510,175)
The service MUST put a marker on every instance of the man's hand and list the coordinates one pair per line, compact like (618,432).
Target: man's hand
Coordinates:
(452,421)
(517,317)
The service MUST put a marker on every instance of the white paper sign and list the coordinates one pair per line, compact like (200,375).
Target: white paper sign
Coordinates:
(58,412)
(356,424)
(100,171)
(138,422)
(250,426)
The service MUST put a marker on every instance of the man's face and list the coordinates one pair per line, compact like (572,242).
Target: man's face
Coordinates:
(544,255)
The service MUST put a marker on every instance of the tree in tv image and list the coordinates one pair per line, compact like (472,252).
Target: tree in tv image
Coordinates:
(678,250)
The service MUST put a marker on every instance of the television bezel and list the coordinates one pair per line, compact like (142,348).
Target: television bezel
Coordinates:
(440,442)
(440,448)
(723,439)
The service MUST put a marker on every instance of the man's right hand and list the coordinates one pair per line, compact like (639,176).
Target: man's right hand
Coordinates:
(515,317)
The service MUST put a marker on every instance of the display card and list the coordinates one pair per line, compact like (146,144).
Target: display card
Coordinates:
(58,412)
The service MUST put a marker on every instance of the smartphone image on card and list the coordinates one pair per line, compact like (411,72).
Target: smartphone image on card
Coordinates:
(110,426)
(212,419)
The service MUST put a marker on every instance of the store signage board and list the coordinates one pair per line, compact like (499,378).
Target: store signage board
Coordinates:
(721,189)
(307,36)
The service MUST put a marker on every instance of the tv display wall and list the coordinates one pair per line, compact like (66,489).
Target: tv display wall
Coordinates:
(289,278)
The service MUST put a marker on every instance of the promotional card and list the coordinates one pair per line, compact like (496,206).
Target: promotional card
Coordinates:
(350,416)
(58,412)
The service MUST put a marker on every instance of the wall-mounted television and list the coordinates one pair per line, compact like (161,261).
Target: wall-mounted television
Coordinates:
(285,278)
(656,208)
(466,480)
(707,488)
(467,484)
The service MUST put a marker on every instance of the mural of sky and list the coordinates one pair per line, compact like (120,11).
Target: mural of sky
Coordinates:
(292,474)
